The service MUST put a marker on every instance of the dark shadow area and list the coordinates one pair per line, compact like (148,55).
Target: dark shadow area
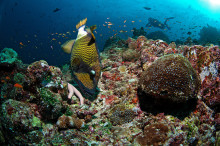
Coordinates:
(158,35)
(155,106)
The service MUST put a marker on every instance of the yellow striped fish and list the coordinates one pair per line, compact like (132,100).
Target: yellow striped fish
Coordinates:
(85,61)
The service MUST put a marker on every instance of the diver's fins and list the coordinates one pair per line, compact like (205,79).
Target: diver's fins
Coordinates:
(67,46)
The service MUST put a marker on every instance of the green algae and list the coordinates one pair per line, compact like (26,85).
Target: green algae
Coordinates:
(36,122)
(19,78)
(47,96)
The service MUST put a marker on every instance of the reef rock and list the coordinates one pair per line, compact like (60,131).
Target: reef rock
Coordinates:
(154,134)
(169,83)
(17,118)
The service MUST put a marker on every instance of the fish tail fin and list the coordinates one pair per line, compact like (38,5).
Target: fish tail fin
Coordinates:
(81,23)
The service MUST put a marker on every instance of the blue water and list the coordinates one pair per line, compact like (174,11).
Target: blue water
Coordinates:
(36,32)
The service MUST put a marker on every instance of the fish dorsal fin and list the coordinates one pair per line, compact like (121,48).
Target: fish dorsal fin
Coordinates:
(93,28)
(81,23)
(67,46)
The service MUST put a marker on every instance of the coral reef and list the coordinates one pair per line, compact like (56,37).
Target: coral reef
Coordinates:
(130,55)
(16,118)
(35,109)
(155,134)
(65,122)
(120,115)
(205,60)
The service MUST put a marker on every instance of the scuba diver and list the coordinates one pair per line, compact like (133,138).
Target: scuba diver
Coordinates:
(156,23)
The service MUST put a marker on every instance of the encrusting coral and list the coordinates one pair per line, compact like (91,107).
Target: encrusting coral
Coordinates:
(154,134)
(65,122)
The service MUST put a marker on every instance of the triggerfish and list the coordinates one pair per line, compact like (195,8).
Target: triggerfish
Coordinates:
(85,61)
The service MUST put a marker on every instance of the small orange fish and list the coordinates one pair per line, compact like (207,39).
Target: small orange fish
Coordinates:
(2,81)
(135,100)
(7,78)
(21,43)
(18,85)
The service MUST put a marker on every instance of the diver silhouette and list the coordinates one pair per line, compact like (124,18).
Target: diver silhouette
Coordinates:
(156,23)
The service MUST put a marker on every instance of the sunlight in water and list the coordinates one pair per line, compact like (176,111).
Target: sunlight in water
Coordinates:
(214,4)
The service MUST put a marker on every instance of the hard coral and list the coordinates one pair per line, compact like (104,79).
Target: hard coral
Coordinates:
(50,104)
(210,91)
(69,121)
(17,119)
(130,55)
(37,72)
(169,83)
(121,115)
(154,134)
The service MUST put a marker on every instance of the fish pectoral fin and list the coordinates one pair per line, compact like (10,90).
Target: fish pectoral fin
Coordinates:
(67,46)
(75,63)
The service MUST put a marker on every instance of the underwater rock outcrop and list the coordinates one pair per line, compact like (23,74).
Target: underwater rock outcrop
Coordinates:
(169,83)
(158,35)
(154,134)
(17,118)
(209,34)
(138,32)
